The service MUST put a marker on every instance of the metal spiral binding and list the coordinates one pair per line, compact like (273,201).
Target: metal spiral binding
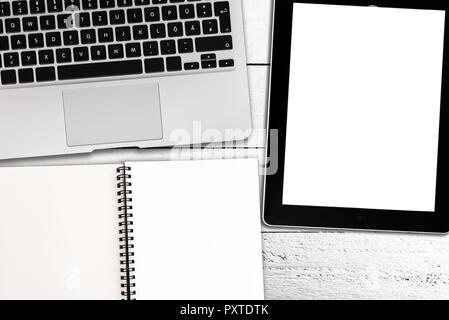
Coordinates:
(126,238)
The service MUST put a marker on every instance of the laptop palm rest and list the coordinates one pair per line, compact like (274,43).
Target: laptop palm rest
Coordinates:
(112,114)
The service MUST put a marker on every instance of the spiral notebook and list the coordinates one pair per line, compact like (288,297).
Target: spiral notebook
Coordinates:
(138,230)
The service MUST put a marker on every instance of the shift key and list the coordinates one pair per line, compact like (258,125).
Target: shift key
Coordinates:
(217,43)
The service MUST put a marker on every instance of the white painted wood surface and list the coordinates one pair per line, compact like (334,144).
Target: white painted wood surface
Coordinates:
(309,264)
(355,266)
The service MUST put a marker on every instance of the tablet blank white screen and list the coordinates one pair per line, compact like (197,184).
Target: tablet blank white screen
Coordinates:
(363,110)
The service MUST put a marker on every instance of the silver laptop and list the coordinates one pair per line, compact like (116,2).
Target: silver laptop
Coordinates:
(81,75)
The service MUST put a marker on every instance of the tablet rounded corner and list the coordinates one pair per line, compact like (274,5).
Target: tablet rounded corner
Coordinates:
(268,221)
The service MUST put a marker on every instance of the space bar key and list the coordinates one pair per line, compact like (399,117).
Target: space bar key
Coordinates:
(97,70)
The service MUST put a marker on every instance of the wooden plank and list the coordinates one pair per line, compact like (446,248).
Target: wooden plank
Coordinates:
(355,266)
(258,77)
(257,20)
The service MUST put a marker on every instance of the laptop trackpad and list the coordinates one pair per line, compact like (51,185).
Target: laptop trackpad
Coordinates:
(112,114)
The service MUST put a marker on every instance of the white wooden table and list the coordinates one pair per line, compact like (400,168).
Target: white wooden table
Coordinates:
(309,264)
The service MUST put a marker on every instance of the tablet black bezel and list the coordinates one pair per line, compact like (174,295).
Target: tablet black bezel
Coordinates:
(277,214)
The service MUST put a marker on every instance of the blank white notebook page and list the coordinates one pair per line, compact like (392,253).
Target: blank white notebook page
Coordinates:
(197,230)
(59,233)
(363,109)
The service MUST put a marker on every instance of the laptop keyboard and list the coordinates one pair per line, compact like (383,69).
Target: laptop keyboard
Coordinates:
(44,41)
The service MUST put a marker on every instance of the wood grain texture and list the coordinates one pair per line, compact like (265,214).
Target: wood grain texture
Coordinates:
(307,264)
(355,266)
(257,21)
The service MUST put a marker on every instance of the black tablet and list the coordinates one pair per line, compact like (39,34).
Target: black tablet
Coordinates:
(359,101)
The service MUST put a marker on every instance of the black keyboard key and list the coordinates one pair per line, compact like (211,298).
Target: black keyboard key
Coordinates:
(209,56)
(152,14)
(30,24)
(154,65)
(54,6)
(81,54)
(157,30)
(140,32)
(26,75)
(105,35)
(191,66)
(11,59)
(216,43)
(124,3)
(210,26)
(107,4)
(175,29)
(168,47)
(5,9)
(123,34)
(160,1)
(185,45)
(115,51)
(8,77)
(53,39)
(65,21)
(4,43)
(47,22)
(117,16)
(226,63)
(1,26)
(90,4)
(193,28)
(72,5)
(18,42)
(141,2)
(12,25)
(37,6)
(98,53)
(35,40)
(208,60)
(103,69)
(28,58)
(63,55)
(187,11)
(82,20)
(133,50)
(208,64)
(174,64)
(88,36)
(45,74)
(150,48)
(99,18)
(19,7)
(204,10)
(222,11)
(134,15)
(46,57)
(169,13)
(70,38)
